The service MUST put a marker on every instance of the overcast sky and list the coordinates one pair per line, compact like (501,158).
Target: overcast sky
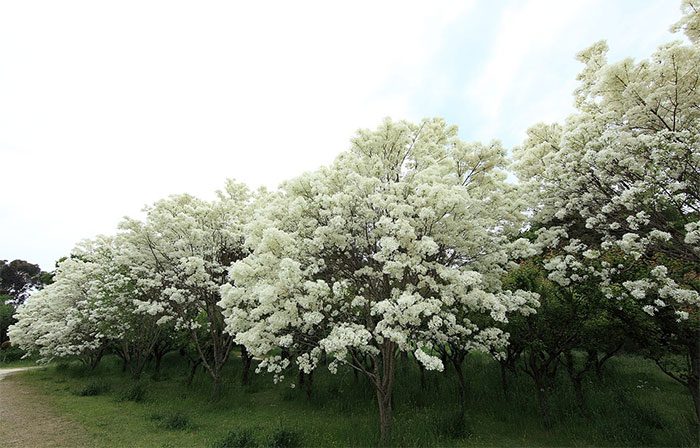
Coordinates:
(108,106)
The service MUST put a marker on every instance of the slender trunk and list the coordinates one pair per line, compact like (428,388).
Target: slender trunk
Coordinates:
(422,375)
(95,359)
(193,369)
(158,356)
(384,375)
(543,400)
(385,415)
(247,362)
(504,382)
(461,386)
(308,384)
(694,374)
(217,387)
(577,381)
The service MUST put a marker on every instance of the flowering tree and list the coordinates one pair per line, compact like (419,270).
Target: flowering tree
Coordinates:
(77,315)
(616,189)
(179,256)
(381,253)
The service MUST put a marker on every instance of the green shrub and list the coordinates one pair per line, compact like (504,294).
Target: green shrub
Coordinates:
(11,353)
(176,422)
(285,438)
(237,439)
(93,388)
(136,393)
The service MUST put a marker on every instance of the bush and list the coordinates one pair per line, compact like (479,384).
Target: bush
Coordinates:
(237,439)
(135,392)
(10,353)
(175,421)
(285,438)
(92,389)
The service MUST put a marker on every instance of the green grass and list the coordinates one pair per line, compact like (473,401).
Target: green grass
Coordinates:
(632,405)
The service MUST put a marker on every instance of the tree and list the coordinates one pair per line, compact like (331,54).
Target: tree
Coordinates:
(617,188)
(7,312)
(18,278)
(179,256)
(368,258)
(60,320)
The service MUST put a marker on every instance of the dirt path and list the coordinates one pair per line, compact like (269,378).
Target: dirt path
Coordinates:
(27,422)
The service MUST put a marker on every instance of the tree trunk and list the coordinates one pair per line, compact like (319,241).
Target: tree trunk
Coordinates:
(309,384)
(577,381)
(193,369)
(543,400)
(247,362)
(158,356)
(383,379)
(461,386)
(694,374)
(504,382)
(217,387)
(95,359)
(422,376)
(385,415)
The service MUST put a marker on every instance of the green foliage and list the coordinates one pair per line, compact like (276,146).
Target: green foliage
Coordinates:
(94,388)
(175,421)
(136,393)
(285,438)
(236,439)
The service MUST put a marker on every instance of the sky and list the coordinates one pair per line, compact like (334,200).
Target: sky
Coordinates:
(106,107)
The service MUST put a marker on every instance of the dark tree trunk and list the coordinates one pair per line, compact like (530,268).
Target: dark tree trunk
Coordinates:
(158,357)
(308,385)
(457,363)
(384,373)
(504,381)
(217,388)
(247,360)
(385,415)
(194,364)
(543,401)
(694,374)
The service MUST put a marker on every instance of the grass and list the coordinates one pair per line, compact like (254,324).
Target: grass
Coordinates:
(633,404)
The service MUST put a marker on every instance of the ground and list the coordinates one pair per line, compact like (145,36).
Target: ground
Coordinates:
(28,420)
(67,404)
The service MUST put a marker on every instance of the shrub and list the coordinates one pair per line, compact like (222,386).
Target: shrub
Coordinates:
(93,388)
(10,353)
(237,439)
(136,393)
(176,422)
(285,438)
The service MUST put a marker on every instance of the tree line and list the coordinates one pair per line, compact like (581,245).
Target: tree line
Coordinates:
(415,243)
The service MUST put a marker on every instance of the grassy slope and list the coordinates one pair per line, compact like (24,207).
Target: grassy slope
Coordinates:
(633,404)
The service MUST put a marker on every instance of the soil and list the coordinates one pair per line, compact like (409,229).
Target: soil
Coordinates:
(26,420)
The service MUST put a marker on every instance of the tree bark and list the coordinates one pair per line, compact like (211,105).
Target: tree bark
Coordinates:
(247,362)
(504,382)
(384,374)
(217,388)
(194,364)
(385,415)
(543,400)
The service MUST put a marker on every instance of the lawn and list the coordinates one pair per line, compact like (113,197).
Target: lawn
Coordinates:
(633,404)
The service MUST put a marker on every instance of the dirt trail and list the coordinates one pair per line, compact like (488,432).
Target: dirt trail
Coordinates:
(26,420)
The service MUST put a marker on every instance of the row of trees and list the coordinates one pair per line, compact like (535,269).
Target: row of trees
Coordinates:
(414,242)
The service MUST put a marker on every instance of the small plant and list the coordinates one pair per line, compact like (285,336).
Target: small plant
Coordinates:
(135,393)
(92,389)
(237,439)
(285,438)
(175,422)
